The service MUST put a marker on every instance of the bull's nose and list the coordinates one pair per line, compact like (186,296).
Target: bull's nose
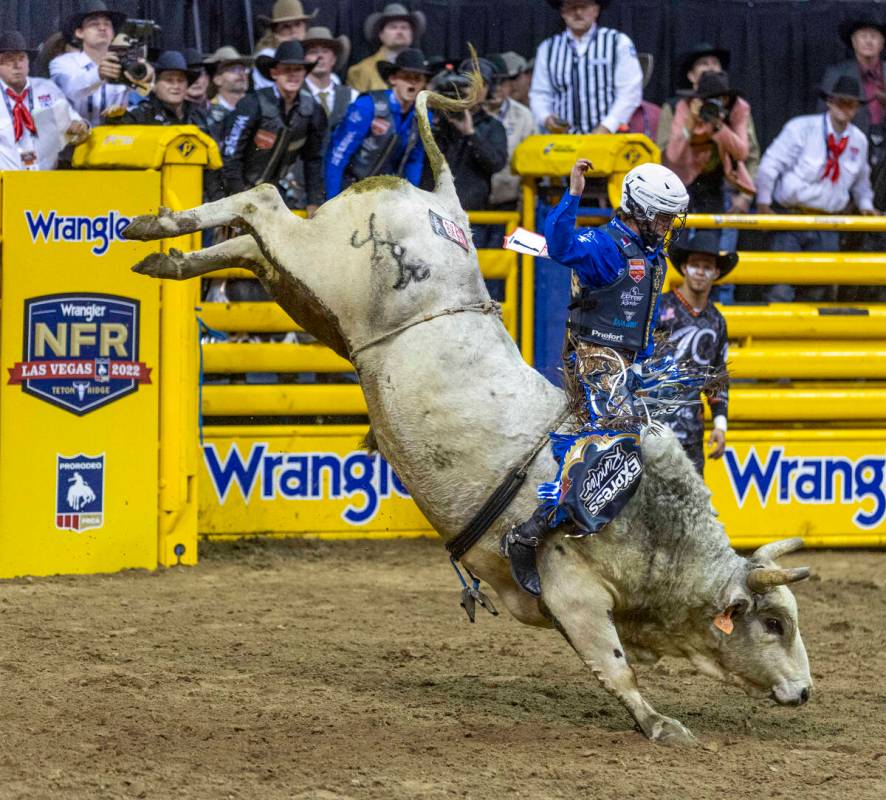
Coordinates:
(804,696)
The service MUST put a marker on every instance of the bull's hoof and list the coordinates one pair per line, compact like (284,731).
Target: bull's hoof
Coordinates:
(665,730)
(144,228)
(160,265)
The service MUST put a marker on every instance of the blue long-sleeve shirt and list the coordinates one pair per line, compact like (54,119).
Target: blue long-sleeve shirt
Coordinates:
(593,255)
(355,127)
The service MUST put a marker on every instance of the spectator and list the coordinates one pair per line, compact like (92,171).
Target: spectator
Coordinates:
(518,123)
(328,54)
(167,104)
(698,337)
(701,58)
(521,85)
(22,147)
(645,117)
(395,29)
(229,73)
(816,165)
(288,21)
(602,60)
(198,89)
(92,79)
(271,128)
(379,135)
(865,38)
(708,143)
(474,144)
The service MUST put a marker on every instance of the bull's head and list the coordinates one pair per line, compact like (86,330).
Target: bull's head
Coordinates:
(755,629)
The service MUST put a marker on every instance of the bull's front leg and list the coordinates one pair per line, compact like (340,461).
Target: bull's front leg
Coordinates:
(240,252)
(582,610)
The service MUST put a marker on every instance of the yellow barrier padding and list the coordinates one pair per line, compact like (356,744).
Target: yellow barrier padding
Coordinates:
(147,147)
(272,357)
(806,321)
(815,359)
(786,222)
(282,400)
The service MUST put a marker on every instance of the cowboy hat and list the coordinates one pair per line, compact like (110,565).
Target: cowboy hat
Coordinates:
(711,84)
(647,61)
(173,60)
(849,26)
(226,55)
(558,4)
(89,8)
(701,241)
(844,87)
(341,45)
(290,52)
(699,50)
(287,11)
(509,64)
(408,60)
(194,58)
(394,11)
(14,42)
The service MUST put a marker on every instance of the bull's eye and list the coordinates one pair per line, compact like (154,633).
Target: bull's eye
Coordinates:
(774,625)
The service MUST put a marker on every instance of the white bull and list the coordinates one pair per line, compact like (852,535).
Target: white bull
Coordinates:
(381,276)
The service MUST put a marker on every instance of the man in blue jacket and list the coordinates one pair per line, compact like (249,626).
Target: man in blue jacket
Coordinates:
(617,275)
(379,135)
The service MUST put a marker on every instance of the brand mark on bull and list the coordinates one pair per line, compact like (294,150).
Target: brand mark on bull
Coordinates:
(80,351)
(53,227)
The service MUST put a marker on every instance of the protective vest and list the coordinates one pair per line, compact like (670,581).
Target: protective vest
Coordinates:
(374,155)
(619,315)
(277,143)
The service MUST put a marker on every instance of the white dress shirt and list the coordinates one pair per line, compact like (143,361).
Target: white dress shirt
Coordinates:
(792,168)
(76,74)
(44,94)
(609,75)
(316,90)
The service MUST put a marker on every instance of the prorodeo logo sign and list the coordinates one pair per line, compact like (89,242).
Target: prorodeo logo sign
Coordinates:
(79,492)
(80,350)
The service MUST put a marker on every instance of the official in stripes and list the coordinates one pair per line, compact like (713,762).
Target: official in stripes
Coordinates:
(586,79)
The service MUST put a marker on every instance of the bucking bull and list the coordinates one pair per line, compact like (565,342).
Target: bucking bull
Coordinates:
(385,274)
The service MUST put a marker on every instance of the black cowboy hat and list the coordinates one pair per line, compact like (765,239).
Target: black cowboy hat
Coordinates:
(558,4)
(701,241)
(394,11)
(173,60)
(849,26)
(409,60)
(88,8)
(14,42)
(194,58)
(289,52)
(687,59)
(711,84)
(844,86)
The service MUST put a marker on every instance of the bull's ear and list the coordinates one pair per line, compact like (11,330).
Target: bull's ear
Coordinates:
(723,620)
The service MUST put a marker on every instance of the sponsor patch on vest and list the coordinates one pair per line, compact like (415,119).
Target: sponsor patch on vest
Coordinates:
(448,230)
(608,337)
(631,298)
(380,126)
(616,472)
(264,140)
(637,269)
(620,323)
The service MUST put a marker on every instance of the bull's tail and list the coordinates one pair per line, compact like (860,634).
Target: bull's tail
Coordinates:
(439,167)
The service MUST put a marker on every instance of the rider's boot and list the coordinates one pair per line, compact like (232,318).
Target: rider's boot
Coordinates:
(520,546)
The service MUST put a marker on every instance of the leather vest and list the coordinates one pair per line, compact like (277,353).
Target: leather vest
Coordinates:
(374,155)
(619,315)
(271,127)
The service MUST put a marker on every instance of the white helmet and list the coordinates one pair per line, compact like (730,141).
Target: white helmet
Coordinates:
(650,191)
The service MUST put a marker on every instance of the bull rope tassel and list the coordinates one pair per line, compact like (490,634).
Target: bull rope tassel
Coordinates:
(471,595)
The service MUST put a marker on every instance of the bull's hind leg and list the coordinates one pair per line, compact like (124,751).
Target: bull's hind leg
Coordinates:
(581,608)
(241,252)
(261,204)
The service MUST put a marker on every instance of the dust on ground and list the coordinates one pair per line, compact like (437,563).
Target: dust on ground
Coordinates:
(347,670)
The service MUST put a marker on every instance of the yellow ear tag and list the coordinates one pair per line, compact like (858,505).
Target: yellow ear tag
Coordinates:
(724,621)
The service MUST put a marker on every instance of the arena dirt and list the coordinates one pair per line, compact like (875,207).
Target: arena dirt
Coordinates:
(347,670)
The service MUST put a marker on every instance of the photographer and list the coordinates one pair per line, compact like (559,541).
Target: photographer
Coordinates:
(474,143)
(95,80)
(167,104)
(709,143)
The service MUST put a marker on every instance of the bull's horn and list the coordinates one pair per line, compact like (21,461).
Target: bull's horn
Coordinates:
(762,580)
(774,550)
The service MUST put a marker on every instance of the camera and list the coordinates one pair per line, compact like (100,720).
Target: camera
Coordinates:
(131,45)
(452,85)
(712,109)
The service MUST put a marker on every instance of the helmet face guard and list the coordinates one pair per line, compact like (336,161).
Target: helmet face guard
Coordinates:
(657,228)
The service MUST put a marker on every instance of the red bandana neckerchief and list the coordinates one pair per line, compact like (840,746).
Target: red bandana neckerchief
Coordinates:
(21,114)
(835,150)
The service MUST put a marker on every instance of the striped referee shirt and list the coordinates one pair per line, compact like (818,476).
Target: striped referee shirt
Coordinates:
(595,80)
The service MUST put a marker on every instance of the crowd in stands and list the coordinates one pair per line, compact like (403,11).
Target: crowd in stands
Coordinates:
(296,114)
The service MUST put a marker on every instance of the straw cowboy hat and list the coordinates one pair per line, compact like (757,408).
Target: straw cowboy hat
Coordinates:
(226,55)
(394,11)
(290,52)
(287,11)
(341,45)
(702,241)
